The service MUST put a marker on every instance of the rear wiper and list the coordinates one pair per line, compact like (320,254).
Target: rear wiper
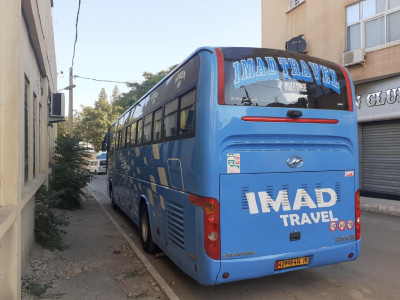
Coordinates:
(247,100)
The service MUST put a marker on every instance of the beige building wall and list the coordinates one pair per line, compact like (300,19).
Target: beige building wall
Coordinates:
(28,77)
(323,24)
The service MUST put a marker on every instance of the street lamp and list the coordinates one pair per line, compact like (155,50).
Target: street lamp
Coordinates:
(70,111)
(67,88)
(71,104)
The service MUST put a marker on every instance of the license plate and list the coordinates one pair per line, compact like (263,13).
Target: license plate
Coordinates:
(292,262)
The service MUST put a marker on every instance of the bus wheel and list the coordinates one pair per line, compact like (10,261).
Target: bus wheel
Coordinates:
(145,232)
(114,205)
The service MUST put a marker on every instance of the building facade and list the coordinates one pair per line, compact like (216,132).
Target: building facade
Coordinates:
(365,37)
(28,78)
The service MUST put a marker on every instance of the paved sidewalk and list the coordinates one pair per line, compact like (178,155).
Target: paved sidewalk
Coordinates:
(98,264)
(383,206)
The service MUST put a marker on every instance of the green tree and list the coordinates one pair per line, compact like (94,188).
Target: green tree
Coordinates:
(62,128)
(137,90)
(115,95)
(93,122)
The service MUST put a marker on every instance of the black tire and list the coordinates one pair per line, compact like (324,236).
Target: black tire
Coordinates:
(145,232)
(114,205)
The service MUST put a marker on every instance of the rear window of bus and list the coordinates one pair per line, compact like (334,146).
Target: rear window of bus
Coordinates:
(274,78)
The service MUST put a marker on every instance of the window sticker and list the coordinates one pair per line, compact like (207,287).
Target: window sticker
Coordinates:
(233,163)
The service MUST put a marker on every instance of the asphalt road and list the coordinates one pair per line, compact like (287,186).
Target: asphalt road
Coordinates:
(374,275)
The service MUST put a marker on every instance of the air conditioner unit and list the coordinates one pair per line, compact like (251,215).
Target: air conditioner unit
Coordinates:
(58,105)
(353,57)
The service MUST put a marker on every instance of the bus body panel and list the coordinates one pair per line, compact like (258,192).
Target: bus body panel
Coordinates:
(261,212)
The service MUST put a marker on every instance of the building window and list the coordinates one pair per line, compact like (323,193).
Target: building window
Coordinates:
(372,23)
(40,136)
(34,133)
(294,3)
(26,135)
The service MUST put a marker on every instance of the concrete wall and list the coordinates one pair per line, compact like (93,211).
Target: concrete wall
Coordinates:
(27,54)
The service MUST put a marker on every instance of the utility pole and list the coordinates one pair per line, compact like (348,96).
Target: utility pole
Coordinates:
(71,104)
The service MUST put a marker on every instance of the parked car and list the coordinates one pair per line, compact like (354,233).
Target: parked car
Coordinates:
(98,166)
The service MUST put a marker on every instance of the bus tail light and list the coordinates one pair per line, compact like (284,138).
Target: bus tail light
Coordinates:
(348,86)
(212,238)
(358,215)
(221,76)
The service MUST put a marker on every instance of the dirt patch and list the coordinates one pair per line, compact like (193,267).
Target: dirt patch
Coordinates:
(97,264)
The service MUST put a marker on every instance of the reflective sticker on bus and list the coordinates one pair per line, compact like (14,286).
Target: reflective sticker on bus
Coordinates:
(350,224)
(349,174)
(333,226)
(233,163)
(342,225)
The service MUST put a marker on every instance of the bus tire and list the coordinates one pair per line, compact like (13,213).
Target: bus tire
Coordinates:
(145,232)
(114,205)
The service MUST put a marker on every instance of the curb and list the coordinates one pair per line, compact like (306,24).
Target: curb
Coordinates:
(381,209)
(153,272)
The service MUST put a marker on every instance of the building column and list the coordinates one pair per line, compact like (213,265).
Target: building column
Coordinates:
(10,164)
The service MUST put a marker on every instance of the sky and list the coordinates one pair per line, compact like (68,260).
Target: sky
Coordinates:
(119,40)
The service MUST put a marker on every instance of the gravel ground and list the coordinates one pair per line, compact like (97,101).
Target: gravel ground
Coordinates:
(97,264)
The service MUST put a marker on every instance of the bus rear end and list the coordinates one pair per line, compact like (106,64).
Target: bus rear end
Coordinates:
(286,132)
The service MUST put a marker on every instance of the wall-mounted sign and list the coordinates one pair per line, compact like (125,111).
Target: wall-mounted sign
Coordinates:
(379,99)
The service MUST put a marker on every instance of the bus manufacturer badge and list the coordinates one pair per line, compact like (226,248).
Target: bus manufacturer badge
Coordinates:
(294,162)
(233,162)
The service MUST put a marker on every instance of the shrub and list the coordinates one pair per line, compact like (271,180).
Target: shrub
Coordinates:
(48,223)
(34,287)
(69,174)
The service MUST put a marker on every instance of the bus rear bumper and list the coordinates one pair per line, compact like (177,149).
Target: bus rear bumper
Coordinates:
(247,268)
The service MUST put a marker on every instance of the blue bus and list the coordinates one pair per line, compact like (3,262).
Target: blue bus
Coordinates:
(242,163)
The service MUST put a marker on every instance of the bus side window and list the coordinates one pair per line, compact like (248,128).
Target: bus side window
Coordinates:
(147,128)
(133,134)
(118,139)
(139,131)
(128,136)
(157,125)
(187,113)
(170,127)
(123,138)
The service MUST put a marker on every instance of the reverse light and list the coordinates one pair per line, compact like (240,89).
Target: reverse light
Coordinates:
(212,238)
(358,215)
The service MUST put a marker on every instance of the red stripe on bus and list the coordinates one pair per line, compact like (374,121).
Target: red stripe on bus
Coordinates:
(221,76)
(290,120)
(348,86)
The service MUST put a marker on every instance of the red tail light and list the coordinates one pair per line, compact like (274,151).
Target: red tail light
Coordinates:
(212,238)
(358,215)
(348,85)
(221,76)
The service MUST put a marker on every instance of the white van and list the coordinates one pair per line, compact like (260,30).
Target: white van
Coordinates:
(98,166)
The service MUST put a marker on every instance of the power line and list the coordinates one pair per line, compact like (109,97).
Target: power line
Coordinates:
(103,80)
(76,32)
